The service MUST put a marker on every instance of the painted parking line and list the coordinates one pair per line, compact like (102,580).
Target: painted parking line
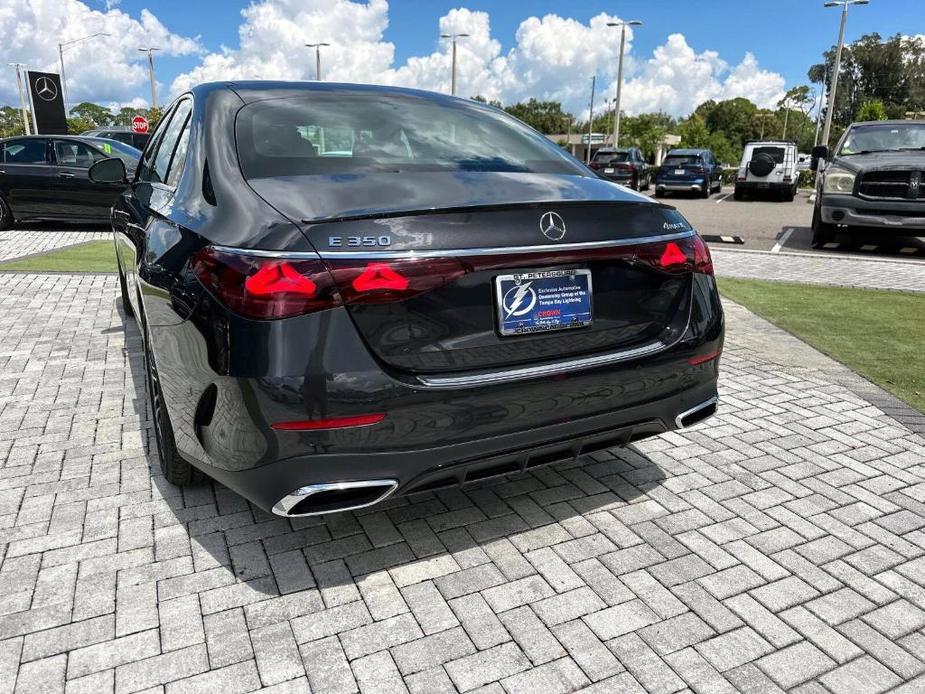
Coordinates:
(723,198)
(782,241)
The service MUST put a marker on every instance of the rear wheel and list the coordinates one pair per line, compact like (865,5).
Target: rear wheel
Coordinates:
(739,194)
(176,470)
(6,217)
(659,193)
(822,233)
(707,189)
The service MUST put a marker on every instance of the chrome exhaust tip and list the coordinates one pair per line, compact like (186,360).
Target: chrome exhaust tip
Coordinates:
(315,499)
(697,413)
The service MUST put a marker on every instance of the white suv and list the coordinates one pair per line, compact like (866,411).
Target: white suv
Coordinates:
(768,167)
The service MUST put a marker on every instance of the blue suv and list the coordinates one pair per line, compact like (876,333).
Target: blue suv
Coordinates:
(690,171)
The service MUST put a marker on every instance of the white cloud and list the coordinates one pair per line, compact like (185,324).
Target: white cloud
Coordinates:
(552,57)
(104,69)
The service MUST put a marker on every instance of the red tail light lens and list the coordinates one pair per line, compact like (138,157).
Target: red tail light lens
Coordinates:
(265,288)
(366,282)
(684,255)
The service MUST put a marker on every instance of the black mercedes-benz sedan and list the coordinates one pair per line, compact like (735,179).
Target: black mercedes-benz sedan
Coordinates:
(44,177)
(349,292)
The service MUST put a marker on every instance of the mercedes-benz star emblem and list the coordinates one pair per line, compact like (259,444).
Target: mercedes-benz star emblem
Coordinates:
(46,89)
(552,226)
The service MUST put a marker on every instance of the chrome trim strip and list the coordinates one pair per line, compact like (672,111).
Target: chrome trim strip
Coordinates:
(695,408)
(454,252)
(493,377)
(284,505)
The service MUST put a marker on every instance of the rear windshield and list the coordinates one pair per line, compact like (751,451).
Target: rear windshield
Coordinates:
(776,153)
(610,157)
(681,160)
(351,133)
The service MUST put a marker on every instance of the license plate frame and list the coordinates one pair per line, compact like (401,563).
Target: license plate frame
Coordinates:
(567,292)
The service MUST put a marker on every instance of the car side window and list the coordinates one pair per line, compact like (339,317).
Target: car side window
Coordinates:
(76,154)
(165,149)
(178,163)
(26,151)
(150,151)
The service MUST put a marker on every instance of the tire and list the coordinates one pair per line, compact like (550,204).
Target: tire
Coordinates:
(738,194)
(6,216)
(176,470)
(126,304)
(789,195)
(822,233)
(659,193)
(648,182)
(707,189)
(761,165)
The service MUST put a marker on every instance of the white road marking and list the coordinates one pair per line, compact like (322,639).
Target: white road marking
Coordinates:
(908,249)
(869,247)
(723,198)
(782,241)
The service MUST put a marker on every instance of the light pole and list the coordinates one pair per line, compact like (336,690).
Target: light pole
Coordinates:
(590,120)
(70,44)
(841,42)
(22,98)
(616,103)
(150,52)
(453,77)
(317,47)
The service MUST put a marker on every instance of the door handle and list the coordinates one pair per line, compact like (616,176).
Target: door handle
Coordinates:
(65,174)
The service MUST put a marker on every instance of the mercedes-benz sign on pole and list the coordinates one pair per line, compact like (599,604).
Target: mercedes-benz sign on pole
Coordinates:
(47,103)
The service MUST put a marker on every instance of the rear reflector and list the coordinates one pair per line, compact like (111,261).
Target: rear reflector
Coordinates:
(360,420)
(704,358)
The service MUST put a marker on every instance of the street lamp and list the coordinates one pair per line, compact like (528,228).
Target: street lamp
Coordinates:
(453,78)
(71,44)
(616,103)
(150,52)
(317,47)
(841,42)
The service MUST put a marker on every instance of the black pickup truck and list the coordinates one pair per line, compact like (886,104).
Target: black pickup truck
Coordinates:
(874,179)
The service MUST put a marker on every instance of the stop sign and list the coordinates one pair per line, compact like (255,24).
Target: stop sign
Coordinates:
(140,124)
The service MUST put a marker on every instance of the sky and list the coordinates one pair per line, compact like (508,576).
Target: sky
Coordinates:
(684,53)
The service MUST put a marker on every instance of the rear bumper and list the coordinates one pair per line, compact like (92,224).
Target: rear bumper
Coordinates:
(897,216)
(275,486)
(689,186)
(764,186)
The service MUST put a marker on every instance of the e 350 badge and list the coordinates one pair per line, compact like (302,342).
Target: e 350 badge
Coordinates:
(359,241)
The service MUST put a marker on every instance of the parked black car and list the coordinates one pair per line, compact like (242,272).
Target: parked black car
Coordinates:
(45,177)
(351,291)
(689,171)
(122,133)
(873,181)
(624,165)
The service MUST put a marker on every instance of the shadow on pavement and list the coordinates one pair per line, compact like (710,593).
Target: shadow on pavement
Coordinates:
(427,534)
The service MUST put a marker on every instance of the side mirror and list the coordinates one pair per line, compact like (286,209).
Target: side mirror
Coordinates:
(108,171)
(820,153)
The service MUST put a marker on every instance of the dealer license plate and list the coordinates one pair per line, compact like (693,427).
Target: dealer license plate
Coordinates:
(535,302)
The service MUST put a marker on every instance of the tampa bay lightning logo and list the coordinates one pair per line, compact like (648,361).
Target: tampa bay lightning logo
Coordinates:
(518,300)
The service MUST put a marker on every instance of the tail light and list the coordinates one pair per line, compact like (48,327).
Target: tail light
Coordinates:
(265,288)
(684,255)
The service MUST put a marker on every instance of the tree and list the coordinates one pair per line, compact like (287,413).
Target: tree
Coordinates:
(646,131)
(124,116)
(693,132)
(77,125)
(796,98)
(94,114)
(891,70)
(10,121)
(545,116)
(871,110)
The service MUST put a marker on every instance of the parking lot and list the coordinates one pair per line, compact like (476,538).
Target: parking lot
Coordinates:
(777,548)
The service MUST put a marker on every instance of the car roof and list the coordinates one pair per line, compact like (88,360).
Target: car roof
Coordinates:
(772,142)
(42,137)
(109,128)
(688,151)
(256,90)
(610,150)
(895,121)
